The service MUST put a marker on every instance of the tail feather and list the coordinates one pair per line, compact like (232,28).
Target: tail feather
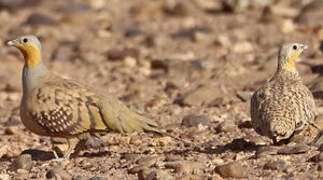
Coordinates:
(121,119)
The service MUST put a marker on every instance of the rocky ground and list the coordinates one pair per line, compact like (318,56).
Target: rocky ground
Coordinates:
(191,65)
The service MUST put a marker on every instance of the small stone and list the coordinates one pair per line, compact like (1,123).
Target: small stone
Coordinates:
(200,96)
(200,37)
(294,149)
(136,140)
(97,178)
(257,140)
(263,151)
(175,8)
(65,51)
(311,14)
(23,161)
(57,173)
(222,40)
(130,62)
(244,96)
(287,26)
(233,169)
(195,120)
(147,161)
(227,126)
(280,165)
(164,141)
(317,158)
(151,174)
(22,173)
(12,88)
(185,167)
(193,177)
(79,177)
(11,130)
(189,33)
(40,19)
(115,54)
(4,177)
(243,47)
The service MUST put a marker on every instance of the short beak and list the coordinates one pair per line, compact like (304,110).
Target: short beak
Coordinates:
(12,43)
(304,46)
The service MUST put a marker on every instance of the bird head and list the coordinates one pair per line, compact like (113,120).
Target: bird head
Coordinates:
(288,55)
(279,132)
(30,47)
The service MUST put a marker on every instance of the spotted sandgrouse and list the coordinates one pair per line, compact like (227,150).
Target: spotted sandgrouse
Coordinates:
(57,107)
(283,106)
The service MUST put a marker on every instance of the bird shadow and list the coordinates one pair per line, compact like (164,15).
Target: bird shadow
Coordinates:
(236,145)
(37,155)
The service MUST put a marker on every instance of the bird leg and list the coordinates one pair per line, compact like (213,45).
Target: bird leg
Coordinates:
(71,143)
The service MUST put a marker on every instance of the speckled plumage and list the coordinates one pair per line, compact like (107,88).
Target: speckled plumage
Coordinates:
(57,107)
(284,105)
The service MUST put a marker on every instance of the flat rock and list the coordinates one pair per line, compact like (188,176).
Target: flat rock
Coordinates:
(200,96)
(97,178)
(280,165)
(233,169)
(294,149)
(23,161)
(185,167)
(311,14)
(40,19)
(57,173)
(151,174)
(195,120)
(227,126)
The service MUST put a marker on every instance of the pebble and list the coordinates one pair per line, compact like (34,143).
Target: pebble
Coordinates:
(11,130)
(4,177)
(57,173)
(130,62)
(287,26)
(147,161)
(185,167)
(263,151)
(311,14)
(151,174)
(317,158)
(226,126)
(233,169)
(194,120)
(116,54)
(65,51)
(23,161)
(97,178)
(79,177)
(280,165)
(200,96)
(222,41)
(242,47)
(40,19)
(294,149)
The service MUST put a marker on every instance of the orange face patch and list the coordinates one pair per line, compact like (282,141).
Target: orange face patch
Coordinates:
(291,60)
(31,53)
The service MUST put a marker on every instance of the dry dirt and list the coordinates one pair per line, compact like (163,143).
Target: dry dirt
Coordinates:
(191,65)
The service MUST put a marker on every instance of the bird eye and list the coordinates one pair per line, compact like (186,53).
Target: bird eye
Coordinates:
(25,40)
(294,47)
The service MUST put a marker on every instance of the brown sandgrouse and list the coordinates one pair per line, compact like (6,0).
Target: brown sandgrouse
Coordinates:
(57,107)
(284,105)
